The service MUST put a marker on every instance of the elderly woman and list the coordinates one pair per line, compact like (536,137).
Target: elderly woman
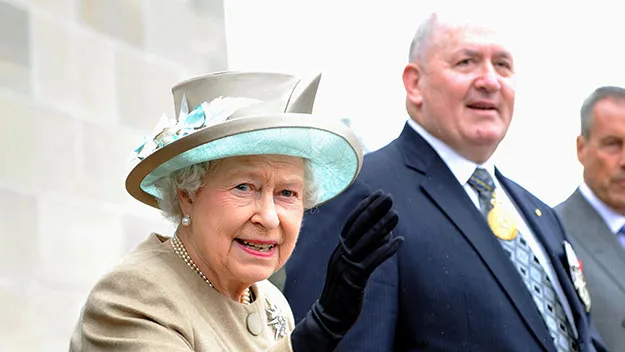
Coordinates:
(235,175)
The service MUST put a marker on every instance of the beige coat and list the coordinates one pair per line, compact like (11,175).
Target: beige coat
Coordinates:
(153,301)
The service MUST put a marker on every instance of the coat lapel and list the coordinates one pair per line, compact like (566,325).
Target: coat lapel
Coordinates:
(445,191)
(603,245)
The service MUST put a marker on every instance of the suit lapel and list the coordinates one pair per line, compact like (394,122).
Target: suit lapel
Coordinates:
(603,245)
(553,247)
(445,191)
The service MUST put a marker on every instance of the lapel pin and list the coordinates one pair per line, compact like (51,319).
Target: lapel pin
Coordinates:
(538,212)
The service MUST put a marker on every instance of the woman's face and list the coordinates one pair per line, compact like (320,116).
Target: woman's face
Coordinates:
(246,218)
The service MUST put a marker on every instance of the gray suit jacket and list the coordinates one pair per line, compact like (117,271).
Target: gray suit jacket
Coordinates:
(603,260)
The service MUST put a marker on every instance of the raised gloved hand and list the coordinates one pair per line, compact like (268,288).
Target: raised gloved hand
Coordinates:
(364,243)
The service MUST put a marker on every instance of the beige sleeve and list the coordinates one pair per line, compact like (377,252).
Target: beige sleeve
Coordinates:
(128,311)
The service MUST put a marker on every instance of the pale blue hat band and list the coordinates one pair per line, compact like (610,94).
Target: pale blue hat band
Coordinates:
(333,152)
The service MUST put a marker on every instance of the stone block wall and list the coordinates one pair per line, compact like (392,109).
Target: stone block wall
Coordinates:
(81,82)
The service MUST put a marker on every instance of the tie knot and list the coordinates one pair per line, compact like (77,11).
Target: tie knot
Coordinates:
(482,182)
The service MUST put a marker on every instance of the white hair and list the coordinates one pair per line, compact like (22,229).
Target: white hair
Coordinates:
(422,39)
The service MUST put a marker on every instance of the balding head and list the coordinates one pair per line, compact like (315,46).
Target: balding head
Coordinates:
(425,36)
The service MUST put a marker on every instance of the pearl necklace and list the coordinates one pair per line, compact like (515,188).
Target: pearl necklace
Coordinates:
(182,253)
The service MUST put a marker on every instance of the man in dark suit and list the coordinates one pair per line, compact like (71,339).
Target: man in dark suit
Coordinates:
(457,284)
(594,215)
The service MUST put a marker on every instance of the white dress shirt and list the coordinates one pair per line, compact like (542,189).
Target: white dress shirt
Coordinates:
(613,219)
(462,169)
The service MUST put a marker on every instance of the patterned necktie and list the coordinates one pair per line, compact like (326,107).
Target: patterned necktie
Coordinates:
(528,266)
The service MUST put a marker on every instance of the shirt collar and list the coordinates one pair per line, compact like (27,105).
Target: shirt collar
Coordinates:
(460,167)
(613,219)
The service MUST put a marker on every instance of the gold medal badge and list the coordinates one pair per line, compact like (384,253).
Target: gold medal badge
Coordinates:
(577,275)
(501,222)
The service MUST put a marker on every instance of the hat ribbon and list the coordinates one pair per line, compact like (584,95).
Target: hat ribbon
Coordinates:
(206,114)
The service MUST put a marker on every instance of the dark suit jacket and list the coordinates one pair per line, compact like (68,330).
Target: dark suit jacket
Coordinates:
(603,259)
(451,287)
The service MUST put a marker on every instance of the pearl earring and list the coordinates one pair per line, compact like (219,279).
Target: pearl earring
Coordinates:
(186,220)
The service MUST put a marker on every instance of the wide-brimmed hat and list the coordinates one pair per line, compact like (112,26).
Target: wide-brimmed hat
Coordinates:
(246,113)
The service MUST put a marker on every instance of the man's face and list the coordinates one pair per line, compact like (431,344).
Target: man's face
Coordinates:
(603,153)
(464,93)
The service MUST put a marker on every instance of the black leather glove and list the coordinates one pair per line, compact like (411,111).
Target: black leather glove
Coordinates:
(364,243)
